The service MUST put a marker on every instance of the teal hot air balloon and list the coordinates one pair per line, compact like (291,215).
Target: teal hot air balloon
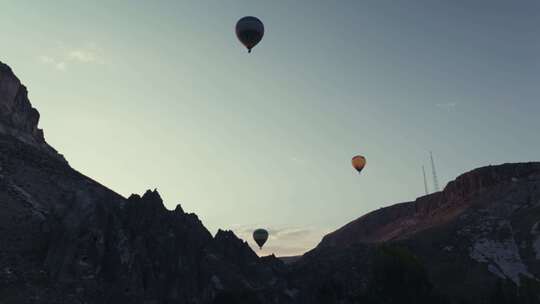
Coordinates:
(260,236)
(249,31)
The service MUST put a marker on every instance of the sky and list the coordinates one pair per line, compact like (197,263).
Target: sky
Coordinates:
(160,94)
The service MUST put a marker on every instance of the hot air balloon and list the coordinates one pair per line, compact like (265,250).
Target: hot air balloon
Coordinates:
(359,162)
(260,236)
(249,31)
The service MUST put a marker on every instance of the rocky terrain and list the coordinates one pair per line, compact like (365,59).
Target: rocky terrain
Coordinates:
(480,230)
(64,238)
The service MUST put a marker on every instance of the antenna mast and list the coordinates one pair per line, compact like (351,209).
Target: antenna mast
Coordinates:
(435,181)
(425,181)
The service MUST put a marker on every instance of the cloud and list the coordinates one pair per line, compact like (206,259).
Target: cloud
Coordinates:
(54,63)
(90,53)
(285,241)
(86,55)
(447,105)
(299,160)
(290,233)
(61,66)
(45,59)
(277,234)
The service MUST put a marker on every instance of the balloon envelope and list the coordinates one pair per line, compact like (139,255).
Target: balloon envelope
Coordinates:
(260,236)
(249,31)
(359,162)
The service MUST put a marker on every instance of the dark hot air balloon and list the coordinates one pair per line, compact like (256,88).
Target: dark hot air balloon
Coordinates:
(359,162)
(260,236)
(249,31)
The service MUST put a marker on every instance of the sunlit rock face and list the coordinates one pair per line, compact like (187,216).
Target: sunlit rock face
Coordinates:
(468,192)
(482,228)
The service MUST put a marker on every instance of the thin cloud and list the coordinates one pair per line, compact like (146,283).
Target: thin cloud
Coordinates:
(291,233)
(298,160)
(61,66)
(90,53)
(283,241)
(54,63)
(275,232)
(45,59)
(447,105)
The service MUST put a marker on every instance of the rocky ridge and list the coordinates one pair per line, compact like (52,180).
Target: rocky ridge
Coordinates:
(482,228)
(405,219)
(17,116)
(65,238)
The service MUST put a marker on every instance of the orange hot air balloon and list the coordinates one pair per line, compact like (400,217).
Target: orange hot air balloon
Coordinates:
(359,162)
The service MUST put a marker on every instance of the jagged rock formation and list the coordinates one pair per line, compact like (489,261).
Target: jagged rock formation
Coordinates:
(64,238)
(17,116)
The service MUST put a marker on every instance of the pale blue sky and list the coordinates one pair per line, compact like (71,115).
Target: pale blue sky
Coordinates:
(160,94)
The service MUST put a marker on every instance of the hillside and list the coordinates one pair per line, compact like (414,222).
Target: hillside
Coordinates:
(483,228)
(65,238)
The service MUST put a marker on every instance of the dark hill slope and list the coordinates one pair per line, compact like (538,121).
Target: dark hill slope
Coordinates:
(483,228)
(65,238)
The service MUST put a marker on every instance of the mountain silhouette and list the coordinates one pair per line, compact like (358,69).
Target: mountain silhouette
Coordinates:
(65,238)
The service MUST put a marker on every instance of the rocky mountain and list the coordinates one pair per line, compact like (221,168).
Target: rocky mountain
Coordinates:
(64,238)
(17,117)
(470,191)
(483,228)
